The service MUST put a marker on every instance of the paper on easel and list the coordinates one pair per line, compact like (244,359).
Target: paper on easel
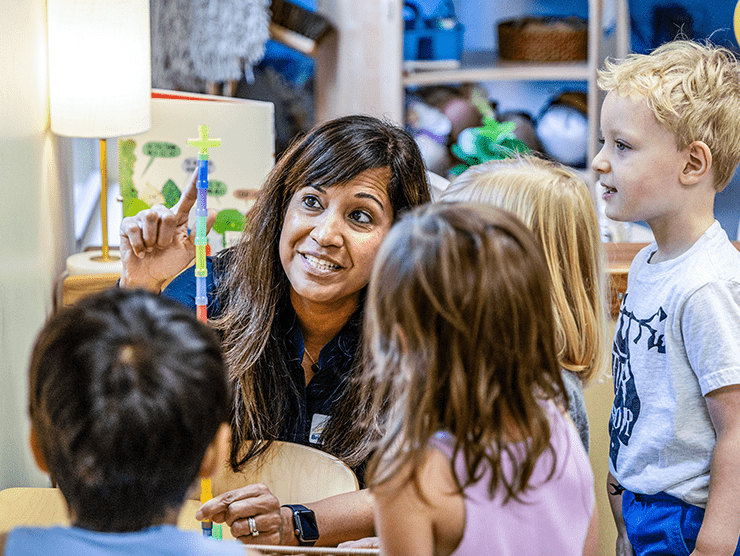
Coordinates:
(156,166)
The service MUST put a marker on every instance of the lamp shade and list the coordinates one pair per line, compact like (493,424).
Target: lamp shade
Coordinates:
(99,67)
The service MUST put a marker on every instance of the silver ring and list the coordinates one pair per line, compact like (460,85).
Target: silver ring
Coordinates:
(253,527)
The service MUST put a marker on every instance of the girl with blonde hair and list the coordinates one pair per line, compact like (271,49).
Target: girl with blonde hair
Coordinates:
(557,206)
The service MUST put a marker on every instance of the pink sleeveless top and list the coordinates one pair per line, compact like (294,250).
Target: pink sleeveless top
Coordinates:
(553,517)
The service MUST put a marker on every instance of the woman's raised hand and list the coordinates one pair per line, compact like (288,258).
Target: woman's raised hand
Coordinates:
(252,513)
(155,243)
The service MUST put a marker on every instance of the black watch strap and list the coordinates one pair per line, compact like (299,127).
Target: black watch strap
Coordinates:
(304,524)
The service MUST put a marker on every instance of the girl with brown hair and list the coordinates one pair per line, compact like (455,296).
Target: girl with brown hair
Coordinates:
(476,456)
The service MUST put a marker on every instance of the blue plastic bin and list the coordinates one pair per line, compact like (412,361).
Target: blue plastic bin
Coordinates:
(431,39)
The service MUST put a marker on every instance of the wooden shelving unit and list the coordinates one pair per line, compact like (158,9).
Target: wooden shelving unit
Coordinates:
(484,66)
(362,70)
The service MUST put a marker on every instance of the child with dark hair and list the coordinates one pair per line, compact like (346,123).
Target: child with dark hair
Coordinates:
(129,405)
(477,455)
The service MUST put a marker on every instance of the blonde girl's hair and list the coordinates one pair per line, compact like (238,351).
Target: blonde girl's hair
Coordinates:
(557,206)
(459,337)
(693,89)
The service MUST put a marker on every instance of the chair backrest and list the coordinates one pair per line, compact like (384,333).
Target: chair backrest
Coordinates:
(293,472)
(21,506)
(46,507)
(69,289)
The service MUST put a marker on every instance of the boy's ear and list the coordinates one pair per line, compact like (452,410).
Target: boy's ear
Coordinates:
(38,456)
(698,163)
(216,452)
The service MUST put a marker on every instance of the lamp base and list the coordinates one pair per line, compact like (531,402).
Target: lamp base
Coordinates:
(92,262)
(107,259)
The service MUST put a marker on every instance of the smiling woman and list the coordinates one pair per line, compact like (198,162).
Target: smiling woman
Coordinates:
(288,301)
(330,237)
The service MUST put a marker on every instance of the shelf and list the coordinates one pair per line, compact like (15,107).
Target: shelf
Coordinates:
(292,39)
(485,66)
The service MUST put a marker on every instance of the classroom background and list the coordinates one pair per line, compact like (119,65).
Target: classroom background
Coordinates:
(38,209)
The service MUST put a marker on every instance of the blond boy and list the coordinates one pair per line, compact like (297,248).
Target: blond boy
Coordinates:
(671,129)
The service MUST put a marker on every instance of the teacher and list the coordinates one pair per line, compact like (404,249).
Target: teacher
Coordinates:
(288,302)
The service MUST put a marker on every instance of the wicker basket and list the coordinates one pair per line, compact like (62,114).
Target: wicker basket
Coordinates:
(538,39)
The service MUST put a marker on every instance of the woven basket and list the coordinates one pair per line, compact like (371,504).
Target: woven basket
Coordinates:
(538,39)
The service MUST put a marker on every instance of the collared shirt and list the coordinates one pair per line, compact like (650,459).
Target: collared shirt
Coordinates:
(318,397)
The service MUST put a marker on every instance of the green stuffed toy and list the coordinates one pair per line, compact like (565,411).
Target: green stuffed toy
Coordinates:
(492,141)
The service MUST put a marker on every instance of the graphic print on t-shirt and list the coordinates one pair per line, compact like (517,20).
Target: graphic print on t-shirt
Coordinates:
(632,333)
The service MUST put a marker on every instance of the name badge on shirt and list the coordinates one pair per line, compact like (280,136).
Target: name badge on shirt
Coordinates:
(318,422)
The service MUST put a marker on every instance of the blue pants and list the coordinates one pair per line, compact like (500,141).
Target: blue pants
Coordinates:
(660,524)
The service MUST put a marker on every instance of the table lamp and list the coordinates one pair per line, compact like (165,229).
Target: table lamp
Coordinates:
(99,82)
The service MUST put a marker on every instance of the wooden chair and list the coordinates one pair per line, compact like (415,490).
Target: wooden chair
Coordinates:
(294,473)
(69,289)
(46,507)
(32,507)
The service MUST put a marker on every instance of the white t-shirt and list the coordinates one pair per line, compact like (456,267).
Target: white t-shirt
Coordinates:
(677,339)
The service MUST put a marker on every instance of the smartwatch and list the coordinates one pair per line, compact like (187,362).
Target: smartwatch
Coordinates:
(304,524)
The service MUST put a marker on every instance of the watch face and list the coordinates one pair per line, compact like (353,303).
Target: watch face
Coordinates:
(308,529)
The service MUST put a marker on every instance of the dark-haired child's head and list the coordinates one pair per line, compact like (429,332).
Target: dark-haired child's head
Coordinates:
(127,391)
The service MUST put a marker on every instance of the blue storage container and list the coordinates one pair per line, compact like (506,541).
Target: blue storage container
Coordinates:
(436,38)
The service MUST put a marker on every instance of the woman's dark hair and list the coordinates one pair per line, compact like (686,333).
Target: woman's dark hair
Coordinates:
(126,392)
(256,288)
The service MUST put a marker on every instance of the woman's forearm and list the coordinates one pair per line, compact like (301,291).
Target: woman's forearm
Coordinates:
(340,518)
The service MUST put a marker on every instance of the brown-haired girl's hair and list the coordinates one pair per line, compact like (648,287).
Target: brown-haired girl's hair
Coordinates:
(460,337)
(256,287)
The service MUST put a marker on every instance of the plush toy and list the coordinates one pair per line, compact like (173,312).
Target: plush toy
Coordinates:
(563,129)
(431,129)
(494,140)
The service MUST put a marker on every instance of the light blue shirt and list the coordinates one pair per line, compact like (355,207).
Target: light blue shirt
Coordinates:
(163,540)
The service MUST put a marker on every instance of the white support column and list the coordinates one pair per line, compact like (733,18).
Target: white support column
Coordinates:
(358,69)
(35,225)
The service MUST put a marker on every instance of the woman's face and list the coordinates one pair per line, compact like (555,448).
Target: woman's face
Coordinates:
(331,235)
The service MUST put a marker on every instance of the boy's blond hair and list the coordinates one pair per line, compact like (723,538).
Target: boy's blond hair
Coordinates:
(693,89)
(557,206)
